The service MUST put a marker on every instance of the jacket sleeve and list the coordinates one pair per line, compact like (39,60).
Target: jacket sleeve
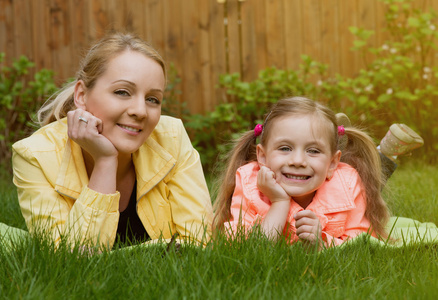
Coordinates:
(348,224)
(244,214)
(189,197)
(91,219)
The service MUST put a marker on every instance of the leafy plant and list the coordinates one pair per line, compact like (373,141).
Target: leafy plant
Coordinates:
(172,106)
(20,98)
(399,84)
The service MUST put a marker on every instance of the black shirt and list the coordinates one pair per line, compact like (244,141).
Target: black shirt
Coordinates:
(130,229)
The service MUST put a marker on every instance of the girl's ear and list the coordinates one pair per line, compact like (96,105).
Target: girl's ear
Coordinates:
(334,164)
(261,155)
(79,95)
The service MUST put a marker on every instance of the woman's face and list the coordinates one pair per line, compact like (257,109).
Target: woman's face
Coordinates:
(127,99)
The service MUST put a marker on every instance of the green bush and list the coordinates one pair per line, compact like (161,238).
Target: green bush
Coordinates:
(20,98)
(172,106)
(398,85)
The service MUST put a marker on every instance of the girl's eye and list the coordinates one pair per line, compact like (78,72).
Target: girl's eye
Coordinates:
(313,151)
(121,93)
(153,100)
(284,148)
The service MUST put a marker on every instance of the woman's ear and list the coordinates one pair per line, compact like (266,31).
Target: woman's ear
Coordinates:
(79,95)
(261,155)
(334,164)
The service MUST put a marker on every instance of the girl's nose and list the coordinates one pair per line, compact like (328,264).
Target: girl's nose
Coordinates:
(138,108)
(297,159)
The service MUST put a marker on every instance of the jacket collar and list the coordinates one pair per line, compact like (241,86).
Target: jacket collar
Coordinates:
(152,163)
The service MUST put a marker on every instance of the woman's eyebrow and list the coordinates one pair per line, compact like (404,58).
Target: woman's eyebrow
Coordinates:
(134,85)
(123,80)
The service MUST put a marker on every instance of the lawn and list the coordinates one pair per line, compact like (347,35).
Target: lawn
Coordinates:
(249,269)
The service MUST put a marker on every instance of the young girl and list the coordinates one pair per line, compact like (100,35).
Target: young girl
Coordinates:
(296,182)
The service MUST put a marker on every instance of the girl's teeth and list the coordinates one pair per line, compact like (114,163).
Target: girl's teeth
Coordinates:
(297,177)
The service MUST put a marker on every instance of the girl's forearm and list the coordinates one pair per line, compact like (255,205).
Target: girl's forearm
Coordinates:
(275,220)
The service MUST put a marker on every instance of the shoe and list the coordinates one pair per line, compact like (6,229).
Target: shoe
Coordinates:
(342,119)
(400,139)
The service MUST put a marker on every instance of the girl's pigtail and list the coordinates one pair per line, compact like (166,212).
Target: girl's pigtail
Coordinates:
(361,153)
(243,152)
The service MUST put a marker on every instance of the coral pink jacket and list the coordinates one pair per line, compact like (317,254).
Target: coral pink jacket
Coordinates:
(339,204)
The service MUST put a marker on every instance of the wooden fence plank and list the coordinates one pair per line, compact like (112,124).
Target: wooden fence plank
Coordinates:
(41,36)
(232,36)
(135,16)
(217,49)
(348,62)
(293,33)
(311,14)
(205,59)
(261,38)
(275,33)
(60,38)
(192,81)
(154,18)
(330,35)
(7,39)
(250,59)
(80,38)
(22,24)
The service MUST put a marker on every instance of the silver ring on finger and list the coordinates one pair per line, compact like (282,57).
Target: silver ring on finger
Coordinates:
(81,118)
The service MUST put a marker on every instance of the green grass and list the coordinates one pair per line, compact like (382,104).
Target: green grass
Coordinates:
(247,269)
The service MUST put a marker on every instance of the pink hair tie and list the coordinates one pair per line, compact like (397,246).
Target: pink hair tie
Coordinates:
(341,130)
(258,130)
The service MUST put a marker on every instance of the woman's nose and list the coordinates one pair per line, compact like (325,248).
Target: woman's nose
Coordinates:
(138,108)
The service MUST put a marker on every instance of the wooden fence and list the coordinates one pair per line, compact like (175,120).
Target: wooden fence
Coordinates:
(202,38)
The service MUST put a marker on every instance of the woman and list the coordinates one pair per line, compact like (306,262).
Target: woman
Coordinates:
(105,150)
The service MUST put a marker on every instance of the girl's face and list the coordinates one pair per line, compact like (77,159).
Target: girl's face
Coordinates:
(127,98)
(298,152)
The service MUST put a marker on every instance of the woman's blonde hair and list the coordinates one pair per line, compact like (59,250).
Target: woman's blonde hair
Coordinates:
(92,67)
(360,152)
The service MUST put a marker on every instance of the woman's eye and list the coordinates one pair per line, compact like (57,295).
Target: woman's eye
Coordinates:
(153,100)
(121,93)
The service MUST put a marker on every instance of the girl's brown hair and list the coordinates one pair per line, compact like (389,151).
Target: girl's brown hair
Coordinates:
(92,67)
(360,152)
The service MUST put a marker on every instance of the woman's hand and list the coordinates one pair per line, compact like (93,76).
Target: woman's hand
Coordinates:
(85,129)
(268,185)
(308,227)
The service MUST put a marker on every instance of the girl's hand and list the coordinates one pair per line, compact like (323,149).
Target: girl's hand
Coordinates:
(267,184)
(87,134)
(308,227)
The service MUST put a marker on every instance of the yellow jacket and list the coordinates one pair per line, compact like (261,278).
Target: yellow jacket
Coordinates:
(172,195)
